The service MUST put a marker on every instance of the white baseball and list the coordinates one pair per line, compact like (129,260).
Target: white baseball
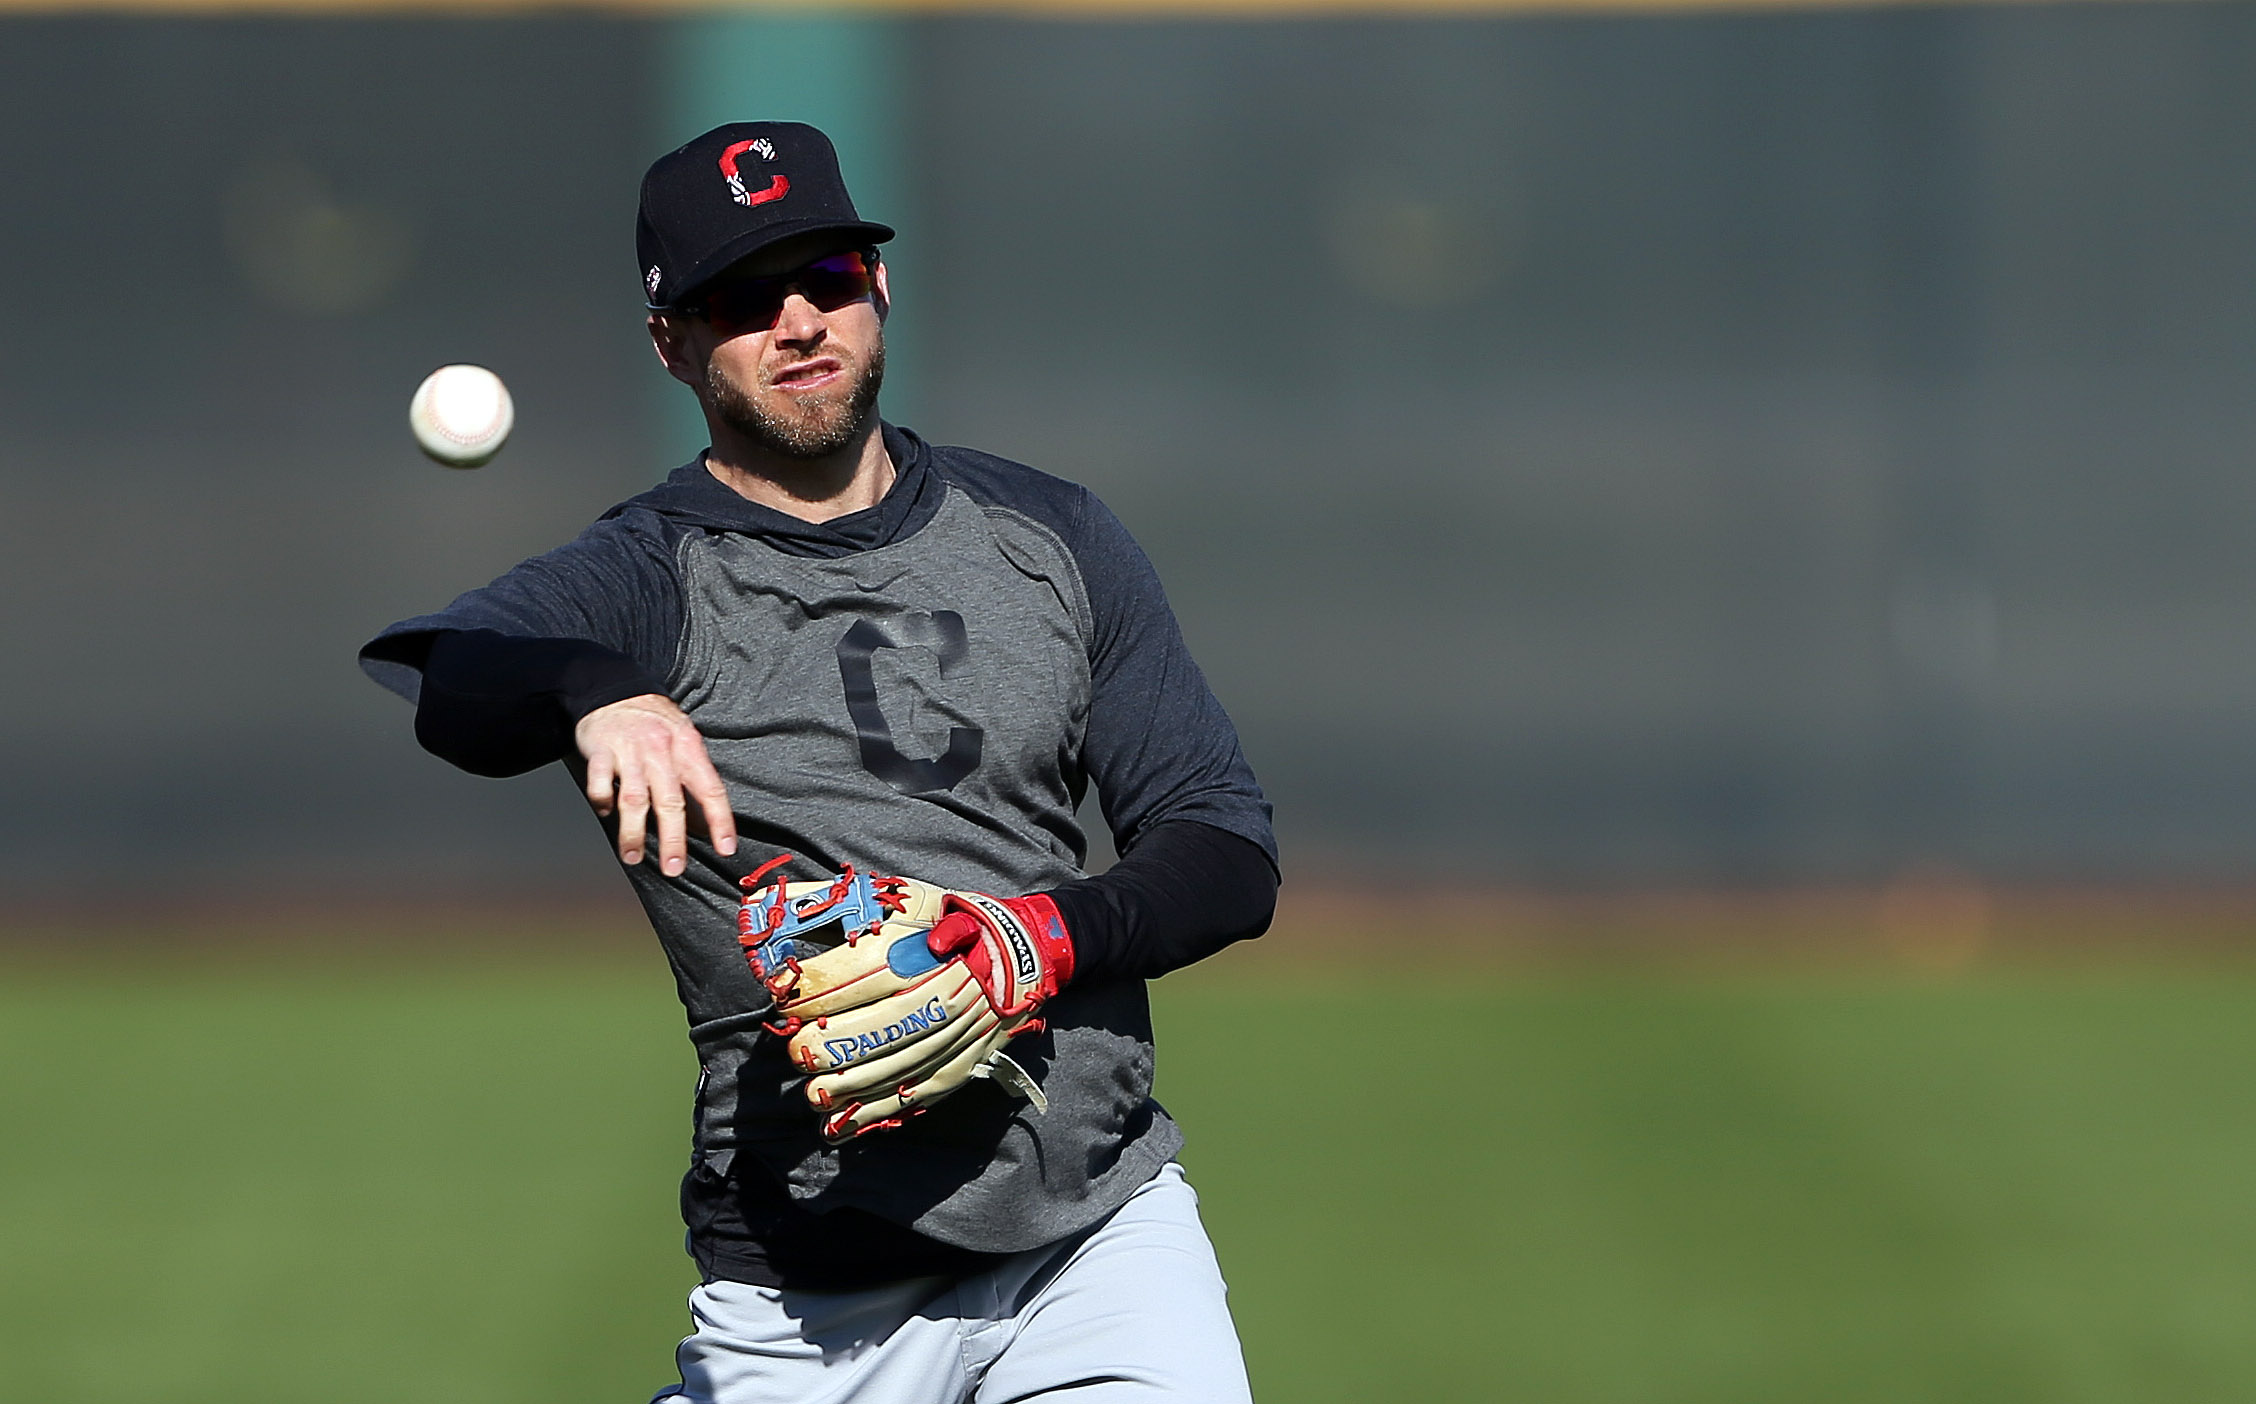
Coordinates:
(461,415)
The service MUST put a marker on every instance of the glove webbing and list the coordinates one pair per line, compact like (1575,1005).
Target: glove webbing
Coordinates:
(885,888)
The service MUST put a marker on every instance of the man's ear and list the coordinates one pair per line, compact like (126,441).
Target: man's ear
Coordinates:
(670,339)
(884,292)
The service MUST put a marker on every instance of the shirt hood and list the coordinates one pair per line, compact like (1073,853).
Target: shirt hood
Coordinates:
(692,497)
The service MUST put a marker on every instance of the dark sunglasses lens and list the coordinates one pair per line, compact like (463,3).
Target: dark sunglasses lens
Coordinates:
(754,301)
(829,283)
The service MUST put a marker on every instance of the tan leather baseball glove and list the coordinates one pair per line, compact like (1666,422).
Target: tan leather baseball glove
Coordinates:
(892,993)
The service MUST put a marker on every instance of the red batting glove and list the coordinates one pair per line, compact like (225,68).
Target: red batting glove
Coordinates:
(1016,947)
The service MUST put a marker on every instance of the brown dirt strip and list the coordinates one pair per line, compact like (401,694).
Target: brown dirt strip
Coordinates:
(1937,924)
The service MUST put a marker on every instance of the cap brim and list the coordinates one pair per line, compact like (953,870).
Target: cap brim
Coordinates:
(852,234)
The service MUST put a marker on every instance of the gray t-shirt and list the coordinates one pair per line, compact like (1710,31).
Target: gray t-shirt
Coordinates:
(928,688)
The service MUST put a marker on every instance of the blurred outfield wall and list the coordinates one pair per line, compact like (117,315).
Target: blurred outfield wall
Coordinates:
(1709,448)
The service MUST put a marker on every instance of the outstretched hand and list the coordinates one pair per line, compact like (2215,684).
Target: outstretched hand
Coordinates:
(645,758)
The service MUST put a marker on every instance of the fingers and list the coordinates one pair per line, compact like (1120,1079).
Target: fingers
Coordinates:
(599,779)
(645,765)
(634,812)
(704,785)
(668,807)
(682,774)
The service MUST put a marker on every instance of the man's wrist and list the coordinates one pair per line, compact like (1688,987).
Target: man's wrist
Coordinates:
(1053,940)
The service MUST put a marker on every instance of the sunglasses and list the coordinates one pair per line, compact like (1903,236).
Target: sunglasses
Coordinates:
(754,304)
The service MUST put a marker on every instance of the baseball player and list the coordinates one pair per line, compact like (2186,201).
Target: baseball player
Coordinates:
(836,693)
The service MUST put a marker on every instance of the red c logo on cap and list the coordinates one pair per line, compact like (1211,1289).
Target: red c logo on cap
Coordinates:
(777,187)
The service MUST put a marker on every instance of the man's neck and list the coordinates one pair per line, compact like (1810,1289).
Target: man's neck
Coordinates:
(854,479)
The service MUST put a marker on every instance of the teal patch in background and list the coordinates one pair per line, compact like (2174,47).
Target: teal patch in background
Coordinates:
(843,75)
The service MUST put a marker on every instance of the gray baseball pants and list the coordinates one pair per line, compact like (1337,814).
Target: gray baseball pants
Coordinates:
(1128,1312)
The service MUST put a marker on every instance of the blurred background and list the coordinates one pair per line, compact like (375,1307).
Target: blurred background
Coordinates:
(1749,508)
(1689,449)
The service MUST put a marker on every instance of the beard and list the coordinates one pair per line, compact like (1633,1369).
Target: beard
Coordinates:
(815,427)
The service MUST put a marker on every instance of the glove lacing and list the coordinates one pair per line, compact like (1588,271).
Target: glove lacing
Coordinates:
(775,907)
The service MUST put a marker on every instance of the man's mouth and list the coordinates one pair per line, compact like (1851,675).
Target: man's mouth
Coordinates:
(808,375)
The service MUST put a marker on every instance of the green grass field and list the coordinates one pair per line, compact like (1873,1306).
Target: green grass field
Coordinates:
(244,1183)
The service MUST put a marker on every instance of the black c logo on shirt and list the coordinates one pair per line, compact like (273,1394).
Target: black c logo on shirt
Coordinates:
(942,631)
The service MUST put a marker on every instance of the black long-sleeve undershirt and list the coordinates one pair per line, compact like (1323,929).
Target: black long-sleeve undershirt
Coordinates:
(499,704)
(1182,892)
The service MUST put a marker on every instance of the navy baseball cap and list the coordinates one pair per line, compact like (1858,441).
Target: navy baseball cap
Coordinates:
(733,192)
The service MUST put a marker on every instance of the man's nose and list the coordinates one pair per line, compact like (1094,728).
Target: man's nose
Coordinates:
(800,323)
